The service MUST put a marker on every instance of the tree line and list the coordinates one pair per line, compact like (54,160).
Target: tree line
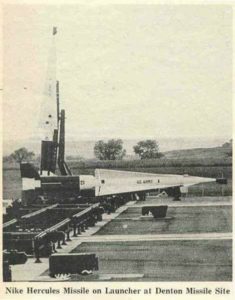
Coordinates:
(113,149)
(109,150)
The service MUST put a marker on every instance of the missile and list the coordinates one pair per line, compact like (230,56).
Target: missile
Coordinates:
(105,182)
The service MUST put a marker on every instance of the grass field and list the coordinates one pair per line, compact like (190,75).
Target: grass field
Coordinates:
(164,260)
(179,220)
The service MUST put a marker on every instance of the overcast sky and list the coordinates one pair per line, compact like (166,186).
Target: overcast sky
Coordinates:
(127,71)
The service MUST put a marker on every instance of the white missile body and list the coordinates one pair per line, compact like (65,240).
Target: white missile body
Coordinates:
(111,182)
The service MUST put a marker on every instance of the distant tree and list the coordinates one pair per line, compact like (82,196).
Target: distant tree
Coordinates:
(147,149)
(229,147)
(228,144)
(22,154)
(110,150)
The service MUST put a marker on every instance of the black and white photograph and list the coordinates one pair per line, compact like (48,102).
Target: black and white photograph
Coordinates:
(117,146)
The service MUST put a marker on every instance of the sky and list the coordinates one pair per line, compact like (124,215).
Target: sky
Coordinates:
(125,71)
